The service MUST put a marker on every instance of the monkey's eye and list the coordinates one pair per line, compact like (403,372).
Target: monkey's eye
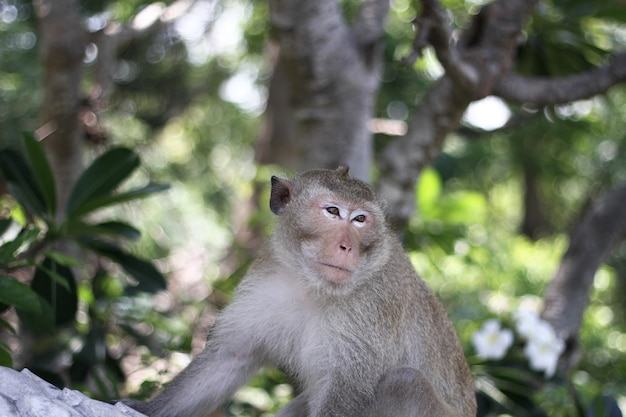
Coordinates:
(333,210)
(360,218)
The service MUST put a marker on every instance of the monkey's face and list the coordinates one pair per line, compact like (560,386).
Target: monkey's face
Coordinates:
(331,226)
(334,239)
(332,247)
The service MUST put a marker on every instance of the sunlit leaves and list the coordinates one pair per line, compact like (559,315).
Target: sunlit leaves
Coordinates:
(22,183)
(429,189)
(10,249)
(30,180)
(457,207)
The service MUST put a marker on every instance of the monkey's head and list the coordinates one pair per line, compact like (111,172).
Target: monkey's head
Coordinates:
(332,227)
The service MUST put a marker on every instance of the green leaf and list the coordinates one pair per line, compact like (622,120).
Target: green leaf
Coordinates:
(463,207)
(40,321)
(7,247)
(13,292)
(97,203)
(428,190)
(6,325)
(9,250)
(41,169)
(149,279)
(55,277)
(5,357)
(112,228)
(57,289)
(102,177)
(62,259)
(121,229)
(21,182)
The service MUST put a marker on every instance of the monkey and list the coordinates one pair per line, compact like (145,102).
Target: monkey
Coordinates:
(334,302)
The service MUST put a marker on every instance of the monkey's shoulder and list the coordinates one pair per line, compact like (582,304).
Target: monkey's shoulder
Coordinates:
(399,274)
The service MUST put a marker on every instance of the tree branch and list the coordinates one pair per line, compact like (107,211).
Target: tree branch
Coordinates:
(402,161)
(369,25)
(544,91)
(472,67)
(434,27)
(420,41)
(601,228)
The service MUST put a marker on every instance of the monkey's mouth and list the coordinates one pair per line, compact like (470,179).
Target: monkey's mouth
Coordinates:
(334,273)
(340,268)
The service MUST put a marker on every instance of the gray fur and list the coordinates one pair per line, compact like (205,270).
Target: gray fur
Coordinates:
(376,344)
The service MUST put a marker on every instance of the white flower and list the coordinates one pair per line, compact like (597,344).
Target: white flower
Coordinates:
(544,348)
(526,322)
(491,341)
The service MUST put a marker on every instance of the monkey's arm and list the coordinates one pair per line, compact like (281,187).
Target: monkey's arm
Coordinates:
(203,386)
(209,381)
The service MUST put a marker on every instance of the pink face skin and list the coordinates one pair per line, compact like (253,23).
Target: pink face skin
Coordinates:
(335,250)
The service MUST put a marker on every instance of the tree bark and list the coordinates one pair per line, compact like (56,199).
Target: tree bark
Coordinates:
(542,91)
(402,161)
(63,42)
(278,142)
(534,224)
(332,70)
(602,226)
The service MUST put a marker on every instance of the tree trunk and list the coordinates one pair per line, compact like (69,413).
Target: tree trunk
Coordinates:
(332,72)
(601,228)
(63,42)
(534,223)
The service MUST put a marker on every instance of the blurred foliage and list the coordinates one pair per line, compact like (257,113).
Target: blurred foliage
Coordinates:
(188,100)
(478,255)
(19,72)
(32,234)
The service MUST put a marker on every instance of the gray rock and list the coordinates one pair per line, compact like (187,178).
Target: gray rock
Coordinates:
(24,394)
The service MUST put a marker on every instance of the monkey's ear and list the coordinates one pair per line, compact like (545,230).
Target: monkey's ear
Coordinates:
(280,195)
(343,170)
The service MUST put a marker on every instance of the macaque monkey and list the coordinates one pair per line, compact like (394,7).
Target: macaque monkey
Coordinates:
(334,302)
